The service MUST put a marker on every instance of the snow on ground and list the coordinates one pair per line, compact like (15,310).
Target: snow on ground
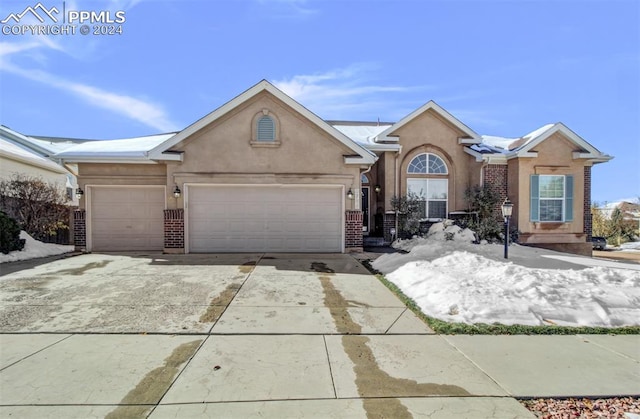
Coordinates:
(457,281)
(630,247)
(35,249)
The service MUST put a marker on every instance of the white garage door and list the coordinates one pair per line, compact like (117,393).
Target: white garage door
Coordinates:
(127,218)
(264,219)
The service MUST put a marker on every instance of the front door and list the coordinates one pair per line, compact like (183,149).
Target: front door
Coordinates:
(365,209)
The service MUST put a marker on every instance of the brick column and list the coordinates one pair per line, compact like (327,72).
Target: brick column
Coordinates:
(174,231)
(588,226)
(495,178)
(353,231)
(80,229)
(388,223)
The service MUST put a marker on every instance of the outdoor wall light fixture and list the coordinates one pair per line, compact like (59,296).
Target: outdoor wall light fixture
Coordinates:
(350,194)
(79,193)
(377,188)
(507,210)
(177,192)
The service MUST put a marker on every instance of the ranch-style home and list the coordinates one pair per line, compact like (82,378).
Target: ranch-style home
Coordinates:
(262,173)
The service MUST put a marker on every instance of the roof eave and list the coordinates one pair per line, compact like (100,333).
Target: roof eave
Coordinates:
(24,140)
(166,156)
(592,156)
(382,147)
(52,167)
(522,154)
(469,141)
(107,159)
(368,160)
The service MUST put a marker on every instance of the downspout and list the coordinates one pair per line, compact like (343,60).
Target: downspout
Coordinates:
(396,184)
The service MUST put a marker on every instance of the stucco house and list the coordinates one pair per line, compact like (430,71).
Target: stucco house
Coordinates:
(30,156)
(263,173)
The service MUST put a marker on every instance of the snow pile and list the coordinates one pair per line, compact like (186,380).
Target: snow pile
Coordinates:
(35,249)
(449,232)
(630,247)
(458,281)
(469,288)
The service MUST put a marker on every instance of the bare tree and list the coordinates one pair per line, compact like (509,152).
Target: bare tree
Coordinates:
(38,206)
(599,223)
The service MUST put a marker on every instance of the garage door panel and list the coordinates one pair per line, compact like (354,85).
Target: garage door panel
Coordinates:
(285,219)
(127,218)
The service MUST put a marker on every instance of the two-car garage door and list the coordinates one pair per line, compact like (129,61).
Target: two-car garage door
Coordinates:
(264,218)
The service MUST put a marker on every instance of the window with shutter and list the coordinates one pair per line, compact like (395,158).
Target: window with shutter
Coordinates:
(551,198)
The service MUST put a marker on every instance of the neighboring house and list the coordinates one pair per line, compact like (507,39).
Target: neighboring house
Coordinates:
(630,212)
(263,173)
(33,156)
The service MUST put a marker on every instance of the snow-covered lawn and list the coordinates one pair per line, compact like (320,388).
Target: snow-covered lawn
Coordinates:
(458,281)
(34,249)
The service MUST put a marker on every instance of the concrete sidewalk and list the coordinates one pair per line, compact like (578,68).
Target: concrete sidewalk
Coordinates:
(274,336)
(83,376)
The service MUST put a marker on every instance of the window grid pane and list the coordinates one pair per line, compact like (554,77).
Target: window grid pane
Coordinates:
(551,209)
(418,164)
(551,186)
(436,165)
(437,209)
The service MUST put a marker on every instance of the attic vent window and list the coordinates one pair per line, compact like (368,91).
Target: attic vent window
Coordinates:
(266,129)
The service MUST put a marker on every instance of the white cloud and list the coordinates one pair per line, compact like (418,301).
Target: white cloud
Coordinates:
(334,93)
(145,112)
(8,48)
(139,110)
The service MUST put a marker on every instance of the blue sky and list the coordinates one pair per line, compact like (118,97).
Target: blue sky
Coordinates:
(503,68)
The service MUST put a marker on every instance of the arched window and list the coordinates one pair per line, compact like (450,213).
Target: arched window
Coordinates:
(265,129)
(427,179)
(363,179)
(427,163)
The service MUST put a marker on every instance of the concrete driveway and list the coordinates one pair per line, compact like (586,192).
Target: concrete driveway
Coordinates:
(188,294)
(103,335)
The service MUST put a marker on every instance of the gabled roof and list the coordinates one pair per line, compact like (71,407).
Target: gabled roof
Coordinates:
(361,154)
(471,136)
(539,136)
(499,148)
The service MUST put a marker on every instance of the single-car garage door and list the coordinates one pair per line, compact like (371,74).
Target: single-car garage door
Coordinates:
(127,218)
(264,218)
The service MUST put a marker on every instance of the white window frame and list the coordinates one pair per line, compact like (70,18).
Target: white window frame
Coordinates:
(426,177)
(425,194)
(554,199)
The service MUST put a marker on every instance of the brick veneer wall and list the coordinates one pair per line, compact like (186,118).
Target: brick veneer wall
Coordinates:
(353,230)
(174,229)
(388,223)
(80,229)
(495,177)
(588,222)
